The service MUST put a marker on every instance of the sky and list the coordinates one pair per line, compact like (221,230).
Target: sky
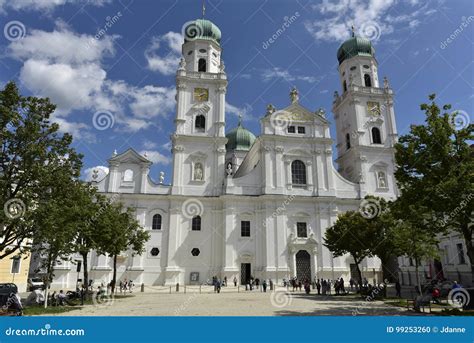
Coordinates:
(110,65)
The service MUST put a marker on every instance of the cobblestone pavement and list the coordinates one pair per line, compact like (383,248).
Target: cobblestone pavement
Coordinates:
(228,303)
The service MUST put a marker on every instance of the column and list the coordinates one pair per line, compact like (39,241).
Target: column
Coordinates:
(144,178)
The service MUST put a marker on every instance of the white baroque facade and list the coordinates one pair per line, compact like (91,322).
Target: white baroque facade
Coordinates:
(240,205)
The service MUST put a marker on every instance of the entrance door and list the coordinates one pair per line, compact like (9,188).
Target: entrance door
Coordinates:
(303,265)
(244,273)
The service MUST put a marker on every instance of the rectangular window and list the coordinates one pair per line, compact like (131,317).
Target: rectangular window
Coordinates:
(245,228)
(291,129)
(301,230)
(460,249)
(196,224)
(15,265)
(301,129)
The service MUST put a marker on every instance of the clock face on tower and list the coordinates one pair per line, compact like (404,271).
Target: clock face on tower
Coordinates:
(201,94)
(373,108)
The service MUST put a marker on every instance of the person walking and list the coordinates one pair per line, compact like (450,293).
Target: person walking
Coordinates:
(264,286)
(318,287)
(235,281)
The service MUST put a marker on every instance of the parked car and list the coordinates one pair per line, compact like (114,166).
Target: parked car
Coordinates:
(35,283)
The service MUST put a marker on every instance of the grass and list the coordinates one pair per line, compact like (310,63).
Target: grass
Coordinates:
(72,305)
(40,310)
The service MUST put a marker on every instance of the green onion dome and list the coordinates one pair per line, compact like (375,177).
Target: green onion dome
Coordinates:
(202,29)
(355,46)
(240,138)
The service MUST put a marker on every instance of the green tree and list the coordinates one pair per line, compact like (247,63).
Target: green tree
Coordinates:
(88,208)
(352,235)
(413,236)
(384,225)
(55,223)
(32,155)
(120,231)
(435,171)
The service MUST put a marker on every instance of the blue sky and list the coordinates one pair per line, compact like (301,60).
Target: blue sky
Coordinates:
(116,60)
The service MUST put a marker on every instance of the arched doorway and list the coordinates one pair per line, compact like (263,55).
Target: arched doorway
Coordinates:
(303,265)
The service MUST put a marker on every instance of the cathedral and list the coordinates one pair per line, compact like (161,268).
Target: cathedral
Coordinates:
(241,205)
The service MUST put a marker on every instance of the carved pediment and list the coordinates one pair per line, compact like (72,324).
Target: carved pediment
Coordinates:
(129,157)
(297,113)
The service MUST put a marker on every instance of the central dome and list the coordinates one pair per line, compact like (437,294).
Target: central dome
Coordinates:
(202,29)
(355,46)
(240,138)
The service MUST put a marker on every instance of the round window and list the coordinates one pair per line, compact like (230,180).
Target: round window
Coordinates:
(202,50)
(366,66)
(353,68)
(190,52)
(154,251)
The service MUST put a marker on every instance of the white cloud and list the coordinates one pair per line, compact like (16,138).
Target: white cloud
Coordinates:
(70,87)
(44,5)
(68,68)
(103,171)
(370,18)
(62,46)
(147,144)
(277,72)
(245,111)
(169,47)
(151,101)
(156,156)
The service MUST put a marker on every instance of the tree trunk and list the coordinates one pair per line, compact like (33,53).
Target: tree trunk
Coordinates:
(469,249)
(114,277)
(49,269)
(417,276)
(359,273)
(86,271)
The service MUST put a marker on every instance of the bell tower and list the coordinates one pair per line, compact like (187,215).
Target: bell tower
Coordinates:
(365,119)
(198,143)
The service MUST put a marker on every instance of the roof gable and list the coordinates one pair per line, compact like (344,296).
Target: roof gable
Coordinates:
(130,156)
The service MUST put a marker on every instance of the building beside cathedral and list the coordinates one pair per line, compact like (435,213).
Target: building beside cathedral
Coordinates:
(242,205)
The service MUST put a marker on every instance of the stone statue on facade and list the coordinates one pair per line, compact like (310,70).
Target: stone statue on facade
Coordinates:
(198,172)
(294,95)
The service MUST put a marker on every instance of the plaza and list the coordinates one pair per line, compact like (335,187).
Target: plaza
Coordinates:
(158,302)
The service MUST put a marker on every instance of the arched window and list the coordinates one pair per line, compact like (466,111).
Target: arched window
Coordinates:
(348,141)
(200,123)
(298,173)
(344,86)
(202,65)
(156,222)
(376,137)
(128,175)
(367,80)
(196,224)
